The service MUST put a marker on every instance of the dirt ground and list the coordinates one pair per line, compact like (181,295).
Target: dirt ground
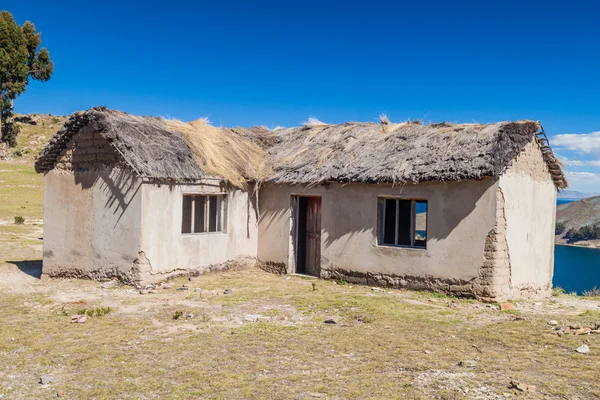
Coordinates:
(247,334)
(269,338)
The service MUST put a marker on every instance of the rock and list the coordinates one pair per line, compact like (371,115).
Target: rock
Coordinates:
(45,379)
(197,290)
(167,286)
(553,322)
(452,304)
(506,306)
(560,332)
(109,284)
(227,291)
(468,363)
(330,321)
(575,326)
(597,326)
(583,349)
(149,287)
(521,386)
(595,331)
(582,331)
(182,288)
(78,319)
(376,289)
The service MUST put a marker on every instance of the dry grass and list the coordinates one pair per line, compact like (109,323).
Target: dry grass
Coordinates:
(222,153)
(268,338)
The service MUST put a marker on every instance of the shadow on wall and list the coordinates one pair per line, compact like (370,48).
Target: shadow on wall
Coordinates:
(32,268)
(117,183)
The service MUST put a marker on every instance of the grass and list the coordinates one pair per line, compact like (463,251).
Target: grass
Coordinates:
(267,339)
(383,344)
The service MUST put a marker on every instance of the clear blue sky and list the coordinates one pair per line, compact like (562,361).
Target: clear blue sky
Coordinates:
(277,63)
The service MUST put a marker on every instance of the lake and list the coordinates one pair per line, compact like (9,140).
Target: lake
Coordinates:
(576,268)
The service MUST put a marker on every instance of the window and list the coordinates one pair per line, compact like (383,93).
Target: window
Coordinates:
(202,213)
(402,222)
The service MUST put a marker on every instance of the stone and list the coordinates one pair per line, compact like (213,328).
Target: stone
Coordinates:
(553,322)
(575,326)
(452,304)
(595,331)
(597,326)
(227,291)
(182,288)
(521,387)
(468,363)
(583,349)
(507,306)
(330,321)
(197,290)
(583,331)
(45,379)
(78,319)
(167,286)
(109,284)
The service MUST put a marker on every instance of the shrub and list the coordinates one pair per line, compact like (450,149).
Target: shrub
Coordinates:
(593,292)
(557,291)
(19,220)
(95,312)
(560,228)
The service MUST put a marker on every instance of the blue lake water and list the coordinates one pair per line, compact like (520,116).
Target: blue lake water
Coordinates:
(575,268)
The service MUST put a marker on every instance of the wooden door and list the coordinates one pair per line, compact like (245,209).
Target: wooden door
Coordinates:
(313,236)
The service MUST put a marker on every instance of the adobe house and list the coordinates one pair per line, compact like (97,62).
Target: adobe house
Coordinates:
(461,208)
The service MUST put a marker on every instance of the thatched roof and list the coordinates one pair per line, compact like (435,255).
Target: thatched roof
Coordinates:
(313,153)
(407,152)
(164,150)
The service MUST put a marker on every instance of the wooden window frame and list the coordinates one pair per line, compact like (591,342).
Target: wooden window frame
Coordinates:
(221,217)
(413,216)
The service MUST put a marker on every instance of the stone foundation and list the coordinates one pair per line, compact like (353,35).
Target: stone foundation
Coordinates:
(457,287)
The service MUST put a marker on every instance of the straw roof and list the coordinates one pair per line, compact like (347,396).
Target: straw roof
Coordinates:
(167,150)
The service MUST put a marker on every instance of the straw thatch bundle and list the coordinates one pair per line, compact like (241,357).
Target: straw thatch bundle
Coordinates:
(173,151)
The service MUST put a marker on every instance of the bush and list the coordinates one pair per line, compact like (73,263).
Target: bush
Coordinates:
(593,292)
(95,312)
(557,291)
(19,220)
(559,229)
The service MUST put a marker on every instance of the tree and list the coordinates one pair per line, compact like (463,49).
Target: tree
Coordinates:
(20,61)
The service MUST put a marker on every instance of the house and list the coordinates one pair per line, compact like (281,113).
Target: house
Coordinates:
(467,209)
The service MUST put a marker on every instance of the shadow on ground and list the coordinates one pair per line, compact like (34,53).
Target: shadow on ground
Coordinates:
(30,267)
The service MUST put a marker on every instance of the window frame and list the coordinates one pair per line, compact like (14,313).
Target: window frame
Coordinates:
(221,220)
(413,216)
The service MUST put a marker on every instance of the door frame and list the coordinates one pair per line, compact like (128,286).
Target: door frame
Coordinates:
(293,256)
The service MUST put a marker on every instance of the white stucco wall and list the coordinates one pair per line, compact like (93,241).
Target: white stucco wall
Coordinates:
(460,215)
(92,223)
(530,211)
(168,250)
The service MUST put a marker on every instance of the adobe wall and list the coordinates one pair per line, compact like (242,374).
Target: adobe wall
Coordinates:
(167,252)
(530,212)
(91,224)
(460,216)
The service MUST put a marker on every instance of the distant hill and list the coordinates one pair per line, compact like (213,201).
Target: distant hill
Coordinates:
(573,216)
(579,213)
(36,132)
(573,194)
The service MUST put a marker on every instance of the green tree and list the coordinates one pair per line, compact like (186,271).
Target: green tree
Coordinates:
(20,61)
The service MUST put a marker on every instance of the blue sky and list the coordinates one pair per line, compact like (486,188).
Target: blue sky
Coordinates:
(279,62)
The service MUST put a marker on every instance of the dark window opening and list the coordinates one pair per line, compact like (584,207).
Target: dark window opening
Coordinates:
(402,222)
(202,212)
